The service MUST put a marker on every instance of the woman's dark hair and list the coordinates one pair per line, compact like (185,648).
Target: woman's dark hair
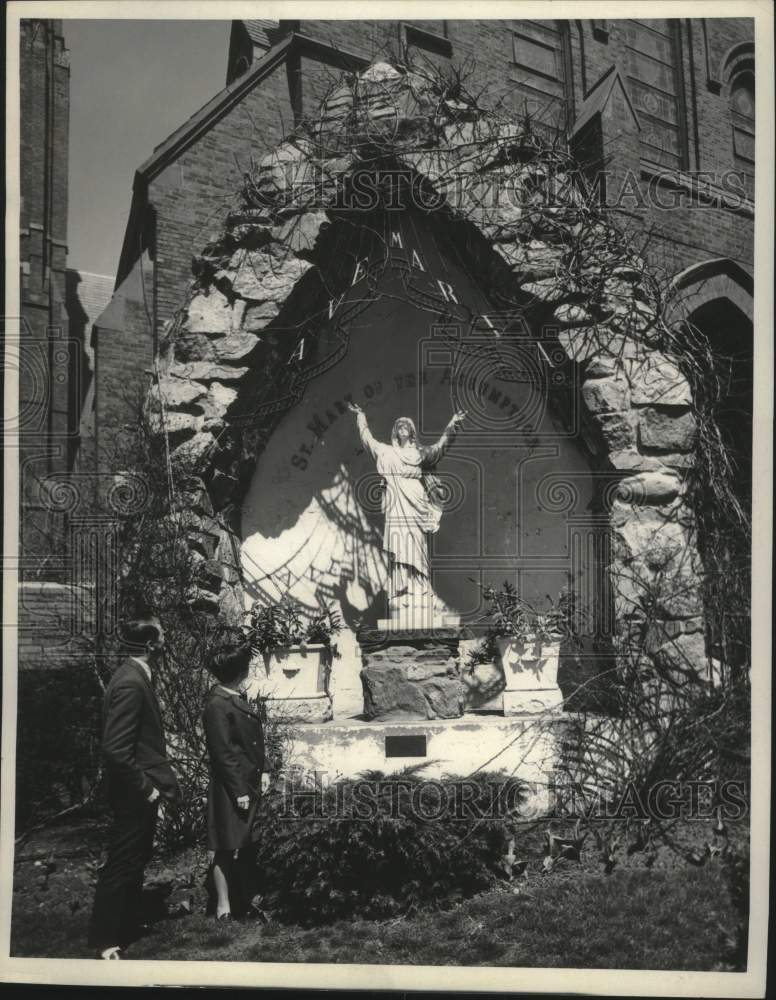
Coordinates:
(230,660)
(138,632)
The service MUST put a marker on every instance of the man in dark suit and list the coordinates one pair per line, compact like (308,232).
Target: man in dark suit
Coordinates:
(139,777)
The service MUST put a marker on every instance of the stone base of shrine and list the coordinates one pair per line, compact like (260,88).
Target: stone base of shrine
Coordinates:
(411,673)
(313,708)
(527,747)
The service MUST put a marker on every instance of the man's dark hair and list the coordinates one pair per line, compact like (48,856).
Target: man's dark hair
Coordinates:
(230,660)
(138,632)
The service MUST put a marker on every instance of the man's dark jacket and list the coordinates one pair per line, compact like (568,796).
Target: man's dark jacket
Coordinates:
(133,741)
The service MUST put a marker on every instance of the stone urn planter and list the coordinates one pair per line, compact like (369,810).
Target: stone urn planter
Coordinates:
(530,666)
(293,681)
(291,671)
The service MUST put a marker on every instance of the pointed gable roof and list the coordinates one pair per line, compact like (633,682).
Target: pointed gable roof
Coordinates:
(599,96)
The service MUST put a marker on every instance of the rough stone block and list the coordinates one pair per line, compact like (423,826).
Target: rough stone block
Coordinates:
(205,371)
(547,289)
(444,697)
(601,366)
(406,680)
(572,315)
(217,401)
(389,695)
(605,395)
(258,315)
(191,455)
(268,274)
(618,429)
(630,460)
(665,430)
(177,426)
(649,488)
(176,392)
(235,346)
(685,653)
(300,232)
(193,347)
(212,313)
(291,710)
(658,380)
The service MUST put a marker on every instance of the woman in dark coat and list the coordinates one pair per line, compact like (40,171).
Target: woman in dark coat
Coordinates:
(235,743)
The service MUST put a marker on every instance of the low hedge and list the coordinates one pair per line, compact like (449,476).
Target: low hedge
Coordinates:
(378,846)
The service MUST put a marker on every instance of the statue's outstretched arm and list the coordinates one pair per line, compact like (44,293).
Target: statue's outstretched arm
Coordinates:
(435,451)
(370,443)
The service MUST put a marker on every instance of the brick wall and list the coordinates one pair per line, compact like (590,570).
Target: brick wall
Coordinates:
(192,196)
(124,340)
(55,625)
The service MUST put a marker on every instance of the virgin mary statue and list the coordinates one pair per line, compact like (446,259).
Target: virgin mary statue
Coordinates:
(411,504)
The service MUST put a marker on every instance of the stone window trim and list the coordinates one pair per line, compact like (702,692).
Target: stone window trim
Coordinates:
(738,57)
(740,80)
(704,191)
(422,38)
(743,79)
(564,74)
(717,278)
(679,95)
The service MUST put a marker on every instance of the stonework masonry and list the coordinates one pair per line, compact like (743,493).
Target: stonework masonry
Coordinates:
(638,404)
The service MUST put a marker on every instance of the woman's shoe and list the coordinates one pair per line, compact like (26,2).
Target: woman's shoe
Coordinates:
(225,918)
(109,954)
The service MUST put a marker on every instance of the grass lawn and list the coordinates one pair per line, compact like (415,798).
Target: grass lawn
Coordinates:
(632,919)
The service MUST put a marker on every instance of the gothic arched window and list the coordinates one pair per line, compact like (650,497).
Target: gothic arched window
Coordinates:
(742,117)
(540,71)
(655,82)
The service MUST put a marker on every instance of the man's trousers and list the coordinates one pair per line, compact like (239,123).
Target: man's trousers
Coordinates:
(116,912)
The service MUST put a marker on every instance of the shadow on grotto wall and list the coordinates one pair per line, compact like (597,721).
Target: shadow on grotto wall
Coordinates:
(334,560)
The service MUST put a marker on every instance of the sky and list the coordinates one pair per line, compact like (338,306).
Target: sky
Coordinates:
(132,83)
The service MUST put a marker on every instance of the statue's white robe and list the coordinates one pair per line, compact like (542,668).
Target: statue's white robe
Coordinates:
(410,513)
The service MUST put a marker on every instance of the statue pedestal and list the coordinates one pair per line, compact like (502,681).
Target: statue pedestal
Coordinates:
(412,626)
(411,673)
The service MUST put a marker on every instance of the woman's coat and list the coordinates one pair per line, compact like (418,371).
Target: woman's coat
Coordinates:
(235,743)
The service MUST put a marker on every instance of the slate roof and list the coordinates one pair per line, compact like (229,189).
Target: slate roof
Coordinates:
(88,294)
(94,292)
(599,95)
(261,32)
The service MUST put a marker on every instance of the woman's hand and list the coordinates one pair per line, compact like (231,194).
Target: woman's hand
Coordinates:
(354,408)
(243,801)
(457,419)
